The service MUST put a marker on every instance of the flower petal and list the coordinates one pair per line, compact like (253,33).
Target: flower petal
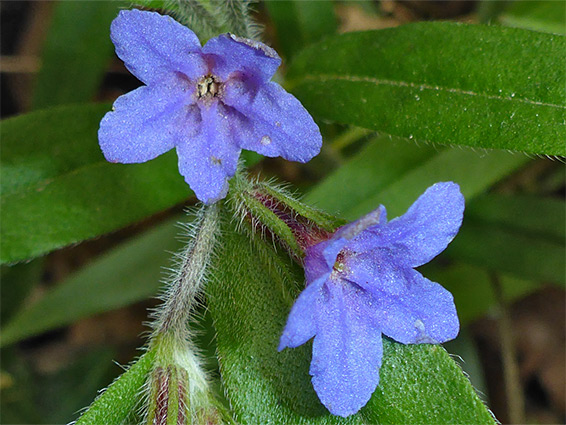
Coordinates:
(143,124)
(275,123)
(301,323)
(233,56)
(347,350)
(320,258)
(355,229)
(154,47)
(425,229)
(376,271)
(209,158)
(425,313)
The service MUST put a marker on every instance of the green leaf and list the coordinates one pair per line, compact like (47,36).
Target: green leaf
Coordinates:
(17,283)
(513,252)
(522,236)
(541,217)
(299,23)
(538,15)
(446,83)
(249,298)
(76,52)
(116,403)
(127,274)
(395,173)
(57,188)
(473,290)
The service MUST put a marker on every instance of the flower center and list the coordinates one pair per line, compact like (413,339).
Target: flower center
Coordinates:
(208,87)
(340,264)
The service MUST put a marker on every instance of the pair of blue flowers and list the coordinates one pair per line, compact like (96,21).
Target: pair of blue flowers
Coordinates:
(210,103)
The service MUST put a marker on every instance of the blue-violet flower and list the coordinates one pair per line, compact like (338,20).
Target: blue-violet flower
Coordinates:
(208,102)
(361,283)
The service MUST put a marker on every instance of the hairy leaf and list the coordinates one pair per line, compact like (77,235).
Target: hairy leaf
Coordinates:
(474,85)
(57,188)
(120,399)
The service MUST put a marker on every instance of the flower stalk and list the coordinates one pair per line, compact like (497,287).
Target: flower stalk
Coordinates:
(178,390)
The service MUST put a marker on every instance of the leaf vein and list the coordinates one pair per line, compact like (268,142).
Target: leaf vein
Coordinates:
(422,87)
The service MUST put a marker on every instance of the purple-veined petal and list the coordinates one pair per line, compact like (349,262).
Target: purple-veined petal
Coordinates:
(275,124)
(301,323)
(232,56)
(347,350)
(154,47)
(144,124)
(376,271)
(210,157)
(427,227)
(355,230)
(425,313)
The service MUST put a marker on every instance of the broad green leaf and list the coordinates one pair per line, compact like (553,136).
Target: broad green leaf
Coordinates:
(513,252)
(249,298)
(76,53)
(465,352)
(395,173)
(299,23)
(518,235)
(541,217)
(57,188)
(446,83)
(539,15)
(17,283)
(118,402)
(130,273)
(473,290)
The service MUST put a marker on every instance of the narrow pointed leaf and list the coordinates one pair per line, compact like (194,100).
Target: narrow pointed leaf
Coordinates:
(394,173)
(122,397)
(76,53)
(57,188)
(299,23)
(446,83)
(129,273)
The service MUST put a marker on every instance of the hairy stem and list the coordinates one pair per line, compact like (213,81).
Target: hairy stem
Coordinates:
(181,295)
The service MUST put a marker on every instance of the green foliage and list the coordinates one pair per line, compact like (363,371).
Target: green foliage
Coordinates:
(125,275)
(57,188)
(480,86)
(300,23)
(34,396)
(539,15)
(250,296)
(512,252)
(20,279)
(395,173)
(519,235)
(472,288)
(118,402)
(430,83)
(76,52)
